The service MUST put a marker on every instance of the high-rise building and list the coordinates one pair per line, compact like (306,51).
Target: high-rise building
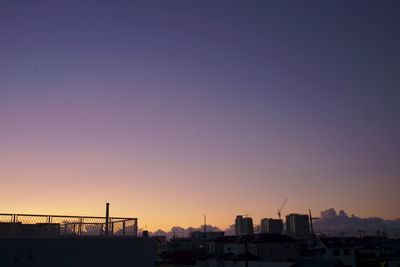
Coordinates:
(274,226)
(243,225)
(298,225)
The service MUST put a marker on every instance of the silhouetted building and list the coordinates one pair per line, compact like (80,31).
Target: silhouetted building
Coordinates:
(243,225)
(273,226)
(297,225)
(77,252)
(338,249)
(258,248)
(64,241)
(199,234)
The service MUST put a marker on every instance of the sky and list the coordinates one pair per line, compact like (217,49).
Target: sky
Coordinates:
(170,110)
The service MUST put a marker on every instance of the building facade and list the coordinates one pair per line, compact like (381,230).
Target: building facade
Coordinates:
(273,226)
(243,225)
(297,225)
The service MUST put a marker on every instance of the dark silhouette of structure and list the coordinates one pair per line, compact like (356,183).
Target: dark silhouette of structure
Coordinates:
(273,226)
(243,225)
(30,225)
(281,208)
(61,240)
(297,225)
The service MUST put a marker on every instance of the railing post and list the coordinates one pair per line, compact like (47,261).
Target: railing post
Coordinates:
(48,224)
(13,225)
(123,228)
(80,226)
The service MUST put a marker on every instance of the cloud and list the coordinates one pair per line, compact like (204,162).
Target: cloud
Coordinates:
(333,223)
(178,231)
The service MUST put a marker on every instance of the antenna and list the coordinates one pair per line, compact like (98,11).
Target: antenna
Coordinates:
(205,224)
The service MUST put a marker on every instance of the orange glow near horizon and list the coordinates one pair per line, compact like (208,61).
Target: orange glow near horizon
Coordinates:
(171,195)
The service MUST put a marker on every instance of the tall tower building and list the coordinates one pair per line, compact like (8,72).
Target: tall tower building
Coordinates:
(298,225)
(243,225)
(271,226)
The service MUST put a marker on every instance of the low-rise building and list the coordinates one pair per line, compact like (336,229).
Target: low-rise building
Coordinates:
(338,249)
(257,248)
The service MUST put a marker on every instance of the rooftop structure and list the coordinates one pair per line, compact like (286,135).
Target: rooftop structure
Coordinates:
(30,225)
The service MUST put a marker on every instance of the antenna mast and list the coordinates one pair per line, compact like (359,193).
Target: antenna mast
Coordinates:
(205,224)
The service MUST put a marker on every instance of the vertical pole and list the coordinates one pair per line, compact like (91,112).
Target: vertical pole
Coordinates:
(13,225)
(80,226)
(205,224)
(311,224)
(246,260)
(123,228)
(48,224)
(107,217)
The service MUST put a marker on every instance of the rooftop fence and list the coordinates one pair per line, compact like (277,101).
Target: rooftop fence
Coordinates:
(29,225)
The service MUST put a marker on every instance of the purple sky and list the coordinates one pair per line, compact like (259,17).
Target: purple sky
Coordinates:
(173,109)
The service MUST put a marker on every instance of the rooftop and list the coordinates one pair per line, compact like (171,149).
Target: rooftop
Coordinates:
(39,225)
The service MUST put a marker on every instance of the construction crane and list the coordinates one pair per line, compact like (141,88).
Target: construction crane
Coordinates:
(282,206)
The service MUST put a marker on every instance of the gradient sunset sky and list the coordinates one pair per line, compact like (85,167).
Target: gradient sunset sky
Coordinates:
(175,109)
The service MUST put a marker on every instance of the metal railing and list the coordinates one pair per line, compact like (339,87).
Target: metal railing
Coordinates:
(31,225)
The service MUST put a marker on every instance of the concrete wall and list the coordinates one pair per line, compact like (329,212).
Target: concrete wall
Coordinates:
(76,252)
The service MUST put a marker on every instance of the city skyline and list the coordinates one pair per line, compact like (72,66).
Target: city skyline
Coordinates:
(172,111)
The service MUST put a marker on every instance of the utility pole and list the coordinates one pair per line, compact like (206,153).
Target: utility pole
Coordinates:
(107,217)
(311,223)
(205,224)
(246,260)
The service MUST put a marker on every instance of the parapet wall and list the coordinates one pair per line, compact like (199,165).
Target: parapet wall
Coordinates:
(77,252)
